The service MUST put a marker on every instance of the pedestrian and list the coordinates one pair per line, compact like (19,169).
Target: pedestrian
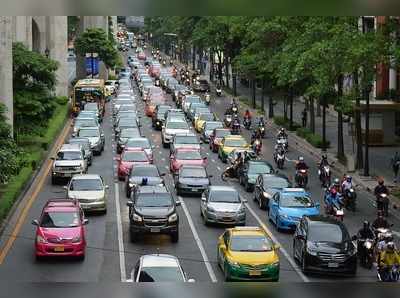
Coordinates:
(395,165)
(304,117)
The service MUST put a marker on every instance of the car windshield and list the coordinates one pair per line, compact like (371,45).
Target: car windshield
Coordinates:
(190,100)
(326,232)
(161,274)
(145,171)
(90,107)
(224,196)
(138,143)
(259,168)
(235,142)
(154,200)
(193,173)
(122,101)
(86,185)
(212,125)
(186,140)
(127,108)
(250,243)
(222,133)
(69,155)
(276,182)
(134,156)
(206,117)
(60,220)
(128,133)
(89,133)
(295,201)
(83,143)
(177,125)
(127,121)
(187,155)
(85,122)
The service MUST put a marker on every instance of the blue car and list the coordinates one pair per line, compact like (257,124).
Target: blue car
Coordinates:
(289,205)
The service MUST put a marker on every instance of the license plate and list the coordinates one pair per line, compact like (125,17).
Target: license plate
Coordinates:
(254,272)
(155,230)
(59,249)
(333,265)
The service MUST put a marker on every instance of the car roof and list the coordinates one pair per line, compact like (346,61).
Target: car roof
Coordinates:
(61,205)
(248,230)
(70,147)
(221,188)
(289,190)
(163,260)
(234,137)
(152,189)
(312,219)
(86,176)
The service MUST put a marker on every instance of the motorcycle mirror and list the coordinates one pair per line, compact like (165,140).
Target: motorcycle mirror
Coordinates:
(354,238)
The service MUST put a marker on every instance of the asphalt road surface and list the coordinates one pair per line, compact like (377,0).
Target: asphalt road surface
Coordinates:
(111,257)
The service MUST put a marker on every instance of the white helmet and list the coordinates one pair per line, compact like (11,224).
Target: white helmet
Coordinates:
(301,158)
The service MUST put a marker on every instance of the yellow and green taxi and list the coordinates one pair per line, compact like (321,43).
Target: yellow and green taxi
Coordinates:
(229,143)
(248,253)
(201,119)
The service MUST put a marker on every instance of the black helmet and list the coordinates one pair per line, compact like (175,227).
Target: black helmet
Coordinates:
(144,181)
(381,181)
(366,224)
(390,246)
(324,156)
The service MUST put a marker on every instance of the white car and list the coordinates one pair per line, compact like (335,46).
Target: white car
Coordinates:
(171,128)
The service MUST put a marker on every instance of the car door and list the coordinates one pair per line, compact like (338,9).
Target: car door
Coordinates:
(223,246)
(258,188)
(299,238)
(274,206)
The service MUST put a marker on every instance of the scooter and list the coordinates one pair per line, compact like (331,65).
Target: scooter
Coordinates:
(235,128)
(350,196)
(229,172)
(234,109)
(382,203)
(302,178)
(257,147)
(366,259)
(336,211)
(325,176)
(247,122)
(228,120)
(207,98)
(284,142)
(279,159)
(218,91)
(157,82)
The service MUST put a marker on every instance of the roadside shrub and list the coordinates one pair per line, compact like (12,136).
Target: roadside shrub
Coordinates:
(280,121)
(314,139)
(61,100)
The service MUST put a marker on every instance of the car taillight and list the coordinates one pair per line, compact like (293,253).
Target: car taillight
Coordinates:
(41,239)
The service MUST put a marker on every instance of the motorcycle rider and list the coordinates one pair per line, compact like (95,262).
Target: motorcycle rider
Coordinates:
(347,184)
(336,185)
(332,199)
(238,163)
(282,134)
(389,258)
(364,233)
(300,165)
(379,190)
(247,115)
(255,135)
(236,123)
(257,139)
(380,222)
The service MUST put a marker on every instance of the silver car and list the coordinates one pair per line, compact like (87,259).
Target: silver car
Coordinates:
(89,190)
(96,138)
(81,121)
(223,205)
(85,143)
(159,268)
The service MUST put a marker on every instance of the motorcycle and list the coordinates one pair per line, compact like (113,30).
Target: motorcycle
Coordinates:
(350,196)
(366,259)
(230,172)
(386,274)
(207,98)
(325,175)
(382,203)
(279,159)
(247,122)
(283,142)
(228,120)
(257,147)
(336,210)
(157,82)
(302,178)
(218,91)
(235,128)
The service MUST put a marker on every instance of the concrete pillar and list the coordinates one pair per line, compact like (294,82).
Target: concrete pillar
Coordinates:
(57,43)
(22,30)
(39,41)
(392,79)
(6,80)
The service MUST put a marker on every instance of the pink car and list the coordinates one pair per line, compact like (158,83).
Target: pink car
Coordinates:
(186,156)
(60,230)
(130,158)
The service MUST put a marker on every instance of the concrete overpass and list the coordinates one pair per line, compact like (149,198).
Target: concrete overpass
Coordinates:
(43,34)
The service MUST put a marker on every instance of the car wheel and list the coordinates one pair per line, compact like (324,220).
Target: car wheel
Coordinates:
(81,258)
(175,237)
(261,204)
(133,236)
(248,187)
(226,275)
(178,191)
(303,264)
(53,180)
(296,259)
(277,223)
(165,145)
(205,220)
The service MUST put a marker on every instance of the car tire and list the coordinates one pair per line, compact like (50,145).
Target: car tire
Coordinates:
(248,187)
(178,191)
(296,259)
(165,145)
(226,276)
(81,258)
(261,204)
(53,180)
(303,264)
(39,258)
(134,237)
(175,237)
(205,220)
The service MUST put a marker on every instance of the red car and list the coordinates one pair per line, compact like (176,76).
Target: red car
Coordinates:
(155,70)
(155,97)
(60,230)
(141,56)
(186,156)
(216,138)
(130,158)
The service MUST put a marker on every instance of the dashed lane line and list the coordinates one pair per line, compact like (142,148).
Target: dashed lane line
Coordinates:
(121,248)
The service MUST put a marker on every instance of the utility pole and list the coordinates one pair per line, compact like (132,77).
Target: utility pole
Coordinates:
(324,123)
(367,91)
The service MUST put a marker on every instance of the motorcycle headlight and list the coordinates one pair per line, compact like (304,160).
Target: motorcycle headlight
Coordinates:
(351,190)
(40,239)
(137,217)
(173,217)
(368,245)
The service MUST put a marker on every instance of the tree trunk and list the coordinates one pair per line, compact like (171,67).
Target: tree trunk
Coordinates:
(234,84)
(291,109)
(319,107)
(366,161)
(253,93)
(324,123)
(262,95)
(340,148)
(194,57)
(220,69)
(227,71)
(312,115)
(285,105)
(357,119)
(211,61)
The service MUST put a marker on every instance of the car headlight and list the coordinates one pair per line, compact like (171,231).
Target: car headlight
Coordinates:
(233,263)
(40,239)
(210,209)
(284,216)
(266,195)
(137,217)
(173,217)
(275,264)
(76,239)
(312,252)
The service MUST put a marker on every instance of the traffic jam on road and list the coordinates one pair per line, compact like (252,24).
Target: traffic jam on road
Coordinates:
(173,182)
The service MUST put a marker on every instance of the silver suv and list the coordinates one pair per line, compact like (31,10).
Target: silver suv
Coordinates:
(70,160)
(96,138)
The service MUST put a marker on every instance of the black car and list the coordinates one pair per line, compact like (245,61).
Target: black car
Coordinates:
(152,210)
(201,85)
(323,244)
(267,185)
(250,171)
(136,175)
(158,117)
(191,180)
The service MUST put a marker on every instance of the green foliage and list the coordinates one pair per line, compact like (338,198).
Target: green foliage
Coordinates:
(313,139)
(281,121)
(95,40)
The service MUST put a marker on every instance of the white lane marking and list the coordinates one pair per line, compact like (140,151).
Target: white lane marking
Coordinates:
(282,249)
(120,236)
(213,160)
(210,270)
(219,168)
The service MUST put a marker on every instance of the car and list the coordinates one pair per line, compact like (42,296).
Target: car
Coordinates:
(89,190)
(289,205)
(126,123)
(216,137)
(178,89)
(140,143)
(174,113)
(208,128)
(223,205)
(94,107)
(159,268)
(248,254)
(323,244)
(70,160)
(186,156)
(124,136)
(189,99)
(172,128)
(189,141)
(181,95)
(202,119)
(201,86)
(267,185)
(232,157)
(229,143)
(83,121)
(195,109)
(85,143)
(152,210)
(138,173)
(129,159)
(191,180)
(96,138)
(60,231)
(250,171)
(158,117)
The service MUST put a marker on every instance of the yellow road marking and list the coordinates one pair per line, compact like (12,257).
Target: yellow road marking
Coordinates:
(28,205)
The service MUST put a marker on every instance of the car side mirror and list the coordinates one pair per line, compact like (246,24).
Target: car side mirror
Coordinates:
(210,176)
(162,174)
(203,199)
(244,200)
(129,204)
(65,187)
(178,203)
(200,142)
(35,222)
(205,158)
(317,204)
(85,221)
(191,280)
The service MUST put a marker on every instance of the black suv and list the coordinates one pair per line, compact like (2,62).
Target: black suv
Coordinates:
(323,244)
(153,210)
